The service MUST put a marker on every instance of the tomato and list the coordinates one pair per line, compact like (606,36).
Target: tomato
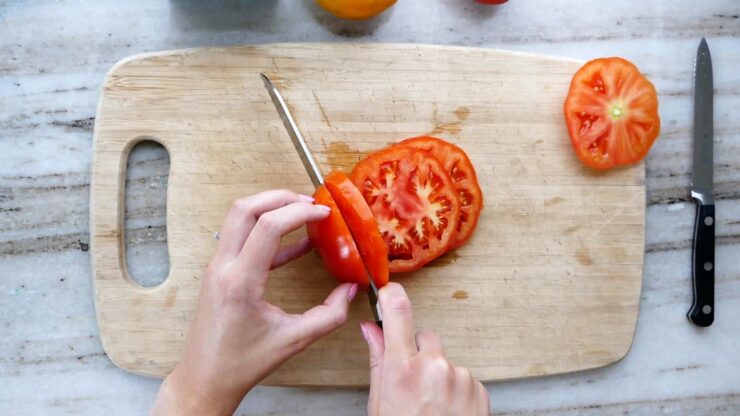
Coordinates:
(465,181)
(492,1)
(414,203)
(332,240)
(355,9)
(612,113)
(361,224)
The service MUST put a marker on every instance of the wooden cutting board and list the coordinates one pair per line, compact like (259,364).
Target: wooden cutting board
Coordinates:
(549,283)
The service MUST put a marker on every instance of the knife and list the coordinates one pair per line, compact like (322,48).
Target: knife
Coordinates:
(702,309)
(314,173)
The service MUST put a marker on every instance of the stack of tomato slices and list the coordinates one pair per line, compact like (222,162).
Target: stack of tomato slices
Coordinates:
(401,208)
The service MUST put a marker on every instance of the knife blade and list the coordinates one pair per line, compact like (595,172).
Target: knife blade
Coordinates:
(314,172)
(312,168)
(701,312)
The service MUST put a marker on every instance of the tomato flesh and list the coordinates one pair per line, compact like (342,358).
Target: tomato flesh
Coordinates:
(612,113)
(465,181)
(414,203)
(331,238)
(361,224)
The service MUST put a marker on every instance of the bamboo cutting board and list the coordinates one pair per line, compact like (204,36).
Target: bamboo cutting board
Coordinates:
(549,283)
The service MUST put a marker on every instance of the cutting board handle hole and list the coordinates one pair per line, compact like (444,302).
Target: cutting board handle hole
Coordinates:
(145,213)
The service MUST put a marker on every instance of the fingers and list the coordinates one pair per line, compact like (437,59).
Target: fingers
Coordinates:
(289,253)
(373,335)
(484,402)
(323,319)
(376,344)
(264,241)
(398,324)
(427,341)
(243,214)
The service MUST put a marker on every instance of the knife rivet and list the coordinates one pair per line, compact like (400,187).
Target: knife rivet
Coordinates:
(708,221)
(706,309)
(708,266)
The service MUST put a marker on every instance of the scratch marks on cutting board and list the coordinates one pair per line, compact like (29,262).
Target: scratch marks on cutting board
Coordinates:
(170,297)
(460,295)
(341,156)
(583,255)
(554,201)
(324,116)
(442,125)
(621,209)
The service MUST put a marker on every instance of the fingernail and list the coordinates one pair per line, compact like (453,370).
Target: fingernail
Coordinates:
(306,197)
(323,207)
(352,292)
(365,335)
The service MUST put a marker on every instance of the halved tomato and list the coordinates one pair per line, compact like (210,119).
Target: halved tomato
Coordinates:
(612,113)
(462,173)
(414,202)
(361,223)
(334,243)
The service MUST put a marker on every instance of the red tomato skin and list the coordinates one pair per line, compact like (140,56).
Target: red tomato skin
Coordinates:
(332,240)
(491,1)
(361,223)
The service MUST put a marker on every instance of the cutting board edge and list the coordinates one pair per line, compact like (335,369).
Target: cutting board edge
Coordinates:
(146,55)
(162,374)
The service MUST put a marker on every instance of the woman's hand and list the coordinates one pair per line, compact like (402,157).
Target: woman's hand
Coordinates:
(410,375)
(236,338)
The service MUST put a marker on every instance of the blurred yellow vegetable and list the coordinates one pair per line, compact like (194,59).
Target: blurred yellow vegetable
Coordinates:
(355,9)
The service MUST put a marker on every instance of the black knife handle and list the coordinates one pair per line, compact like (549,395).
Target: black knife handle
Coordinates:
(702,310)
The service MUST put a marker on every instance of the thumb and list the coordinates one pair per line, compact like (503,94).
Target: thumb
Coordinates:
(374,337)
(323,319)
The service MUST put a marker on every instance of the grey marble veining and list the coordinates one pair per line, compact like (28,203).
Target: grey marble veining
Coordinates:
(54,55)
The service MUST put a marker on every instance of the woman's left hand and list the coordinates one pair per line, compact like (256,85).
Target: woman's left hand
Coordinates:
(236,338)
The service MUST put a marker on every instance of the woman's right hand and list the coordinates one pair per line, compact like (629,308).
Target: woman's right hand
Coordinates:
(410,374)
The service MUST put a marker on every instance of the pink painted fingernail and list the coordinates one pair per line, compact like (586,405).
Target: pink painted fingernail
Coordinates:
(352,292)
(306,197)
(323,207)
(365,335)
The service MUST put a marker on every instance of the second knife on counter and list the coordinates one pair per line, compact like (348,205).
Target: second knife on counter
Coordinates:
(702,309)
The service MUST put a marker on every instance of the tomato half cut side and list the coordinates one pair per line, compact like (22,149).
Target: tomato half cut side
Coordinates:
(612,113)
(332,240)
(361,223)
(462,173)
(414,203)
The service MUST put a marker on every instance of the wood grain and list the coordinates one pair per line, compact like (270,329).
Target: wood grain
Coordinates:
(549,283)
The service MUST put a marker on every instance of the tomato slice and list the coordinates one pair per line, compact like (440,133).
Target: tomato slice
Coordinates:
(612,113)
(414,203)
(465,181)
(332,240)
(361,223)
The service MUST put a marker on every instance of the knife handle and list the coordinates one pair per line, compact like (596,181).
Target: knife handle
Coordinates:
(702,310)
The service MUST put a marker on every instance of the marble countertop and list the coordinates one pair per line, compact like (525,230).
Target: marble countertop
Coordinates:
(54,55)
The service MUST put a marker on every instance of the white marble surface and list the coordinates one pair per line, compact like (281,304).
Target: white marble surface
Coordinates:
(54,54)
